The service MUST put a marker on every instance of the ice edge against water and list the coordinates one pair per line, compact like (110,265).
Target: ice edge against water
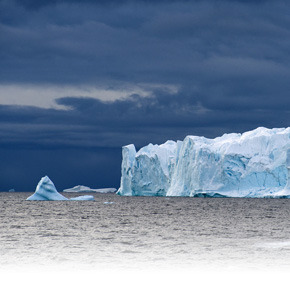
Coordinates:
(253,164)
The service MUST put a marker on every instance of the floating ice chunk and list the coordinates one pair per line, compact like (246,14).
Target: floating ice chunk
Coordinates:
(108,202)
(46,190)
(84,197)
(11,190)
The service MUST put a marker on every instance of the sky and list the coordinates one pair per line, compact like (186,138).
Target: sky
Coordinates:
(81,79)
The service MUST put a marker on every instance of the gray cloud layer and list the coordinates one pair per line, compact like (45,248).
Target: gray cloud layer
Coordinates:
(228,59)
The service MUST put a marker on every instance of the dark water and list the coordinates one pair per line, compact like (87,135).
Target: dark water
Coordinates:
(134,232)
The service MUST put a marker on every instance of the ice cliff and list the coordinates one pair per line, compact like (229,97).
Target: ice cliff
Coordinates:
(252,164)
(46,190)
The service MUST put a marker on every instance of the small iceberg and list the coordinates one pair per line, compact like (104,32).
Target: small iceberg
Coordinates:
(46,190)
(82,188)
(11,190)
(84,197)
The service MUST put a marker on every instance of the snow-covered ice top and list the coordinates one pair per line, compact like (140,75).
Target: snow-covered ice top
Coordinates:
(82,188)
(251,164)
(46,190)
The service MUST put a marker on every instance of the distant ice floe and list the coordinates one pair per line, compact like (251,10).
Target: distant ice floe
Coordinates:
(82,188)
(46,190)
(252,164)
(84,197)
(11,190)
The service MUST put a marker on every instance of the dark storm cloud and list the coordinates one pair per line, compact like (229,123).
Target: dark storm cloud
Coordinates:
(142,42)
(40,3)
(90,123)
(229,60)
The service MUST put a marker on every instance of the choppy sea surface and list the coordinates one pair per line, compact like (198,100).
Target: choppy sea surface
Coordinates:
(145,232)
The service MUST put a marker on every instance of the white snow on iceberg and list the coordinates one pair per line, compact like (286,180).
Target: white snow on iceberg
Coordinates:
(82,188)
(252,164)
(46,190)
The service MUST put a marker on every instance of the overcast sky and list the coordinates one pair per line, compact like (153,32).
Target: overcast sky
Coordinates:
(80,79)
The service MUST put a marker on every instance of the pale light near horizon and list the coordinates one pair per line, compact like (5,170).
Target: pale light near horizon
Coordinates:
(45,95)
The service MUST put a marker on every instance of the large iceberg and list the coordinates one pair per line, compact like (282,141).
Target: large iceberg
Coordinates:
(252,164)
(46,190)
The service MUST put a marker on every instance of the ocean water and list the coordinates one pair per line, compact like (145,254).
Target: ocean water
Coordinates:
(145,232)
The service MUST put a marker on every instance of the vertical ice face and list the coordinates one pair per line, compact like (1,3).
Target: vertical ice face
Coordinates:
(128,159)
(153,167)
(285,192)
(197,169)
(149,171)
(288,169)
(251,164)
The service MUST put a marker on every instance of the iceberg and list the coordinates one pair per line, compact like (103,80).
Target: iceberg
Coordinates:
(83,197)
(46,190)
(82,188)
(252,164)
